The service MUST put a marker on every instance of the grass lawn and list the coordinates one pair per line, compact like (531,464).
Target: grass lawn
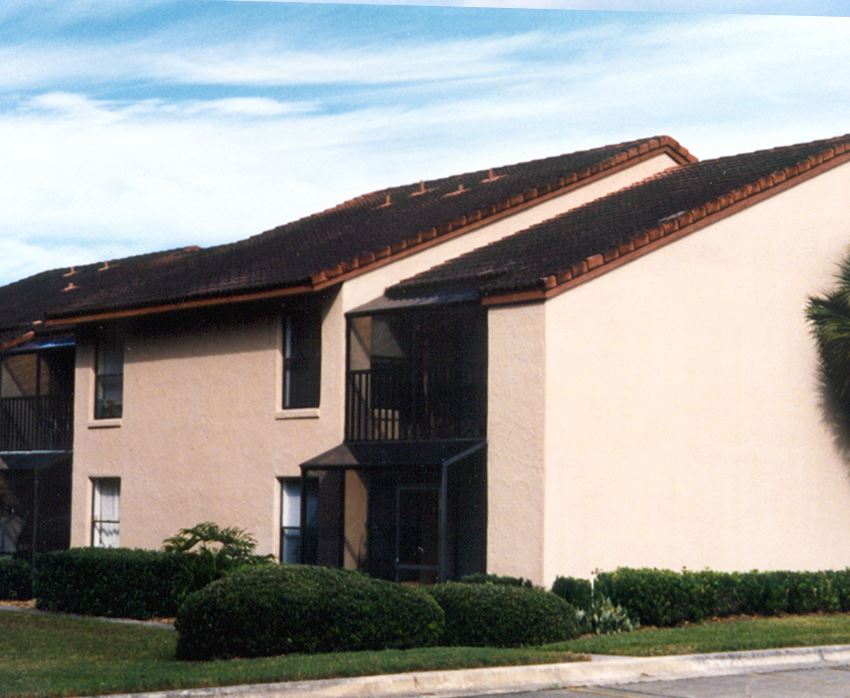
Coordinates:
(42,655)
(721,636)
(50,655)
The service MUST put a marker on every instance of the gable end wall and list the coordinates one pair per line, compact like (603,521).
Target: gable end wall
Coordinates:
(683,426)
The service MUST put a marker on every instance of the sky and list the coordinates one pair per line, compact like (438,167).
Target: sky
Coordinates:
(128,127)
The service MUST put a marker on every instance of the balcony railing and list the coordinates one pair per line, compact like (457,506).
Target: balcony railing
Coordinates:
(391,404)
(36,423)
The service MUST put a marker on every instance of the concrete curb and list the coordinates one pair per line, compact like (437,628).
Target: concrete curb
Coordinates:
(465,682)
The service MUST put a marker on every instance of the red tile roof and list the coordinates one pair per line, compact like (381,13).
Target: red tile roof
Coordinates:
(582,243)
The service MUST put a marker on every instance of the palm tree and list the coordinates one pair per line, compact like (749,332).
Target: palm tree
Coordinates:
(829,317)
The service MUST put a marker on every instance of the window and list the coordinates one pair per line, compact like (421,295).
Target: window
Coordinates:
(105,520)
(292,537)
(109,377)
(302,357)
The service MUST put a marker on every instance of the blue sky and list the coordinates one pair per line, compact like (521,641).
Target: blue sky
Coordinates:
(134,126)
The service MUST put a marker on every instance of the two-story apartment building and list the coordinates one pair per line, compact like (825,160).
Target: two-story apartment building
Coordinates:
(202,380)
(581,362)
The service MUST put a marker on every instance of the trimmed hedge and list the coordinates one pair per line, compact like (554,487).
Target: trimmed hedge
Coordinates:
(117,582)
(272,609)
(665,598)
(15,579)
(499,615)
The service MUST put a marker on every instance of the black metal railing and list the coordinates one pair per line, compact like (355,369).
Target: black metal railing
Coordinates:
(42,423)
(394,404)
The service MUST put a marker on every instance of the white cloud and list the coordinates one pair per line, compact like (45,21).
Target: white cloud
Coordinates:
(257,64)
(127,175)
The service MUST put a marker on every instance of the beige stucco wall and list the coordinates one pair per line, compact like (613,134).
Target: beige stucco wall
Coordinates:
(516,478)
(682,407)
(201,437)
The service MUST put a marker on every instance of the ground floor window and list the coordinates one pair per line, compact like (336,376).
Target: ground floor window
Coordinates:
(106,517)
(293,537)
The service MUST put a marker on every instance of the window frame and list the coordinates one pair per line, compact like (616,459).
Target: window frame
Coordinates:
(96,517)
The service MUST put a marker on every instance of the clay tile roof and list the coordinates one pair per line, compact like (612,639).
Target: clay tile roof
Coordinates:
(322,248)
(548,257)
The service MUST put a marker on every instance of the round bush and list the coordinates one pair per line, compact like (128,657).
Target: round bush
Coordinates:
(278,609)
(499,615)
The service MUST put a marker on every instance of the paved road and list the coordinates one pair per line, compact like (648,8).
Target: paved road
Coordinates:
(795,683)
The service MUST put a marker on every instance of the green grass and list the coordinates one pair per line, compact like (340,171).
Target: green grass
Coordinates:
(50,655)
(721,636)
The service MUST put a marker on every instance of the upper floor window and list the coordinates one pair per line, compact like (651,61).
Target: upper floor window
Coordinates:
(302,357)
(109,377)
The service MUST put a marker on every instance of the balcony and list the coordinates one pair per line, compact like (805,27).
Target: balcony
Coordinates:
(417,375)
(36,423)
(37,399)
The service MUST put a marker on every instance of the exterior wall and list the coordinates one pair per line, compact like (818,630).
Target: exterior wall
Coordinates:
(683,425)
(516,481)
(202,437)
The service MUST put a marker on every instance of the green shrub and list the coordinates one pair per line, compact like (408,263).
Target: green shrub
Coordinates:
(499,615)
(279,609)
(575,591)
(482,578)
(15,579)
(763,593)
(840,581)
(810,592)
(116,582)
(718,593)
(663,597)
(655,597)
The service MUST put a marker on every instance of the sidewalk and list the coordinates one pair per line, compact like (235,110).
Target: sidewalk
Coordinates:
(602,670)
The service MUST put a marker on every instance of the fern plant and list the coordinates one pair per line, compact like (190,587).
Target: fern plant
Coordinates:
(219,549)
